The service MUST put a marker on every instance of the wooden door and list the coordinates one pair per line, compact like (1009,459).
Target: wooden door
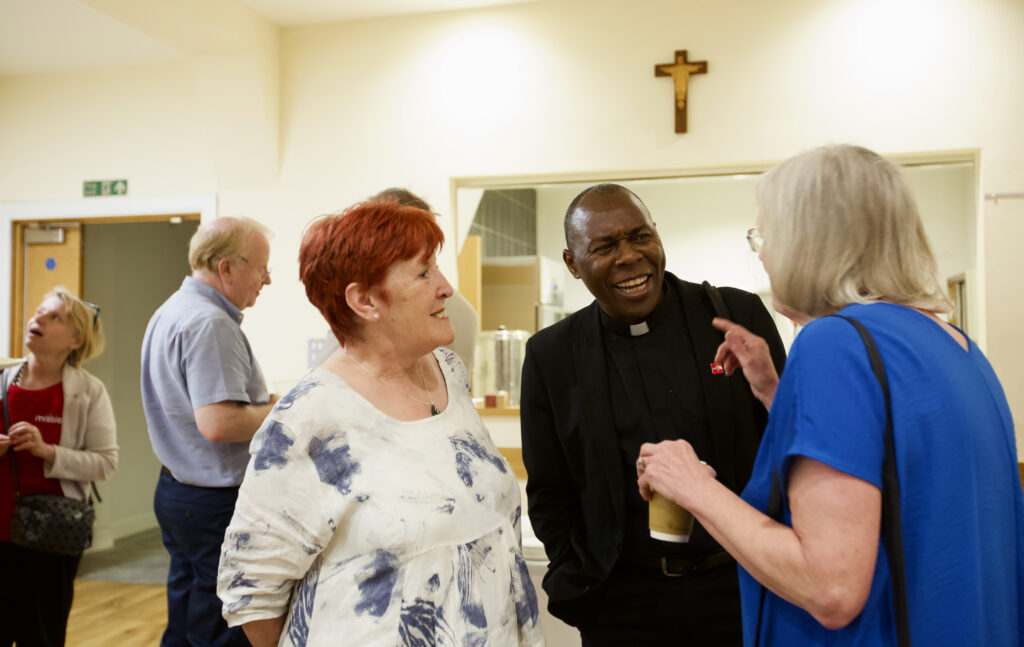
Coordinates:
(46,255)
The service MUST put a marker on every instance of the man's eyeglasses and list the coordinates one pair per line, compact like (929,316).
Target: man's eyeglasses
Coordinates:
(755,240)
(265,271)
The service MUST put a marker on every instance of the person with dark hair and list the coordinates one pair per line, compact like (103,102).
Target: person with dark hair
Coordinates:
(61,438)
(204,397)
(403,196)
(461,314)
(376,508)
(839,234)
(635,366)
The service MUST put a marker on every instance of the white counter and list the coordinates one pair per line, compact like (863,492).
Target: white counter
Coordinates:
(504,429)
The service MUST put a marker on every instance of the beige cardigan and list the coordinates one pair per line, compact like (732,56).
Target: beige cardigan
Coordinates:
(88,439)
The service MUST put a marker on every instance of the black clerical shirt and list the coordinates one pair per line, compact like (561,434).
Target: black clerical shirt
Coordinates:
(656,395)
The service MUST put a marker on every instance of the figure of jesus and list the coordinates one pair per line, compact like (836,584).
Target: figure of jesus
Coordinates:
(680,71)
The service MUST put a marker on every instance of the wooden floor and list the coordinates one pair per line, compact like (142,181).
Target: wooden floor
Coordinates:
(115,614)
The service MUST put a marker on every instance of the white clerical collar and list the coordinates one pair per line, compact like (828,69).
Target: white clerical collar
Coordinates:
(639,329)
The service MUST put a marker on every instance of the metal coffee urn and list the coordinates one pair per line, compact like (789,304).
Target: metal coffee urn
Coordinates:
(499,364)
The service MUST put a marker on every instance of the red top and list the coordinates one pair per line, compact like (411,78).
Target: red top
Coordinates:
(42,408)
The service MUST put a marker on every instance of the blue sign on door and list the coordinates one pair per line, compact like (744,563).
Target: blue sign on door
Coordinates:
(51,263)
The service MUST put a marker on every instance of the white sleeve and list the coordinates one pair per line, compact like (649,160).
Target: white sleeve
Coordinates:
(285,517)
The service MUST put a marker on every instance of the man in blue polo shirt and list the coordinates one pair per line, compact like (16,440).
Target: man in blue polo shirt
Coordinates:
(204,396)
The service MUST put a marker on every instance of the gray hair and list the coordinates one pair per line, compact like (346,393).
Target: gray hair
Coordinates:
(225,237)
(840,226)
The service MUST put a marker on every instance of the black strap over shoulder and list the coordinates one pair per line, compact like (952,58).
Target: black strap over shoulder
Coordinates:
(774,512)
(892,529)
(7,429)
(721,310)
(3,399)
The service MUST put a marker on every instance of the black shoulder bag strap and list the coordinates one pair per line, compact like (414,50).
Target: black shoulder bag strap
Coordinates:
(892,530)
(3,399)
(721,310)
(774,511)
(7,429)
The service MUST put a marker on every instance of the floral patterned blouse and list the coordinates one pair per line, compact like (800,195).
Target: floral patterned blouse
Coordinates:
(366,530)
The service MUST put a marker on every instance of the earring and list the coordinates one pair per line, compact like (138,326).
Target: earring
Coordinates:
(376,316)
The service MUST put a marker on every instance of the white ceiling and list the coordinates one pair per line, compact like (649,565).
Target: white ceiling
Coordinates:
(38,36)
(52,35)
(306,12)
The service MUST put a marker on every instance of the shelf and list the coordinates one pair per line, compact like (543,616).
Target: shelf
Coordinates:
(499,411)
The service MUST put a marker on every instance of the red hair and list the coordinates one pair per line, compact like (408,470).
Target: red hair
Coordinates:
(359,245)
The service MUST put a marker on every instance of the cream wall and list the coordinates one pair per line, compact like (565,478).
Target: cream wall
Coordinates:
(554,87)
(138,123)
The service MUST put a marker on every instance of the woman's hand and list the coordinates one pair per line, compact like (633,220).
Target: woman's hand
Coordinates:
(26,437)
(673,469)
(5,442)
(824,563)
(743,349)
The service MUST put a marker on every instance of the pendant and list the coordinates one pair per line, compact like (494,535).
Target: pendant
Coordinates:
(433,410)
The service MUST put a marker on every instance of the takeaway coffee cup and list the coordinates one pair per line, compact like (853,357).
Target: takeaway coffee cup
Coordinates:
(668,521)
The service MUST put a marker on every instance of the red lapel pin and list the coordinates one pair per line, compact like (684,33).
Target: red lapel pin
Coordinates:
(717,368)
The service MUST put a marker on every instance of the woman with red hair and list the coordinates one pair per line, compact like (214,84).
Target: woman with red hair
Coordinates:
(376,509)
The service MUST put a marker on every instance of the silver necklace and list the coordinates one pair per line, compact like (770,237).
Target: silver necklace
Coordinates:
(433,410)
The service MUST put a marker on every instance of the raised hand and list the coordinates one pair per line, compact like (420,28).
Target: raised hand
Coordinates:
(743,349)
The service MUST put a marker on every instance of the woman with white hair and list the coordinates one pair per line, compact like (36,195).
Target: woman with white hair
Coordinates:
(838,233)
(61,438)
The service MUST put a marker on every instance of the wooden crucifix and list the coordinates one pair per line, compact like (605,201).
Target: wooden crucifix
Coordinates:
(680,71)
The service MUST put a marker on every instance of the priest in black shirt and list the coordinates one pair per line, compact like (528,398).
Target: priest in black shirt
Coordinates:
(635,366)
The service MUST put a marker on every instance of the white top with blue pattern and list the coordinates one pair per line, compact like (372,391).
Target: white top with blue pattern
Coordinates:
(367,531)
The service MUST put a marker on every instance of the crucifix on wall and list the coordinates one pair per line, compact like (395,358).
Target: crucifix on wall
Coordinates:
(680,71)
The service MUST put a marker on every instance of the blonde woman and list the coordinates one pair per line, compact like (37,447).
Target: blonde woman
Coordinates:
(62,437)
(839,234)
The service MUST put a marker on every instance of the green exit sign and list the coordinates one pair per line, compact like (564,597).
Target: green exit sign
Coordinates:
(93,188)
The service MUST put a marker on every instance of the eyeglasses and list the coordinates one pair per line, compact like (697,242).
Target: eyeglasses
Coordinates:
(264,270)
(755,240)
(95,311)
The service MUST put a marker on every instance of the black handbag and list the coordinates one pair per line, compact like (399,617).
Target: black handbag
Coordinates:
(47,522)
(52,524)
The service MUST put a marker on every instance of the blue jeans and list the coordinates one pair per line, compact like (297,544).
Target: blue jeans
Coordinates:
(193,521)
